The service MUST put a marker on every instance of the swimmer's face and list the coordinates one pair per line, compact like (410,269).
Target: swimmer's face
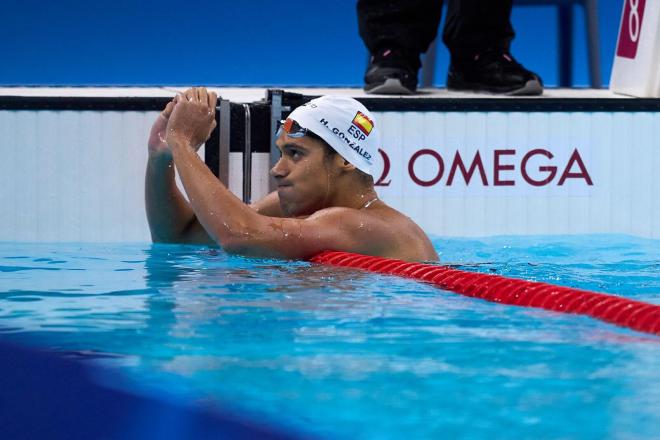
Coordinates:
(303,175)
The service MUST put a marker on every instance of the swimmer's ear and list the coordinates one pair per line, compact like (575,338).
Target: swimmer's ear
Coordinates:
(342,164)
(346,165)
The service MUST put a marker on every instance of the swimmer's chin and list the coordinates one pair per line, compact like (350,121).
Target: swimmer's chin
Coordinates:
(290,210)
(287,209)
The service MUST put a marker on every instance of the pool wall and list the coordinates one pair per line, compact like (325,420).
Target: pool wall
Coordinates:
(573,162)
(532,172)
(45,395)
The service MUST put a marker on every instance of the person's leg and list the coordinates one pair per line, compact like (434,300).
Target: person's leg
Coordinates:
(473,26)
(396,32)
(478,34)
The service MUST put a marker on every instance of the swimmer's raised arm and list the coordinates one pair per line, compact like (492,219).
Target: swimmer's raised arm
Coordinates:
(171,219)
(326,201)
(239,227)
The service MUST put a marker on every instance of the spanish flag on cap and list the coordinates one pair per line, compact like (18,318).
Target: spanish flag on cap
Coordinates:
(362,122)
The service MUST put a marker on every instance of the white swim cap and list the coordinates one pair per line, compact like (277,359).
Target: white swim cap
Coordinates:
(345,124)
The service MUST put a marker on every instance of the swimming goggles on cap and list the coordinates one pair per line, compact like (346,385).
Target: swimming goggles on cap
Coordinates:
(292,129)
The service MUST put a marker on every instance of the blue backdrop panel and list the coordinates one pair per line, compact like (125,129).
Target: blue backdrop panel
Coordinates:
(222,42)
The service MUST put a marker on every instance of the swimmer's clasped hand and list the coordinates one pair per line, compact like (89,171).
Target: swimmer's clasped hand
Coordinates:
(192,118)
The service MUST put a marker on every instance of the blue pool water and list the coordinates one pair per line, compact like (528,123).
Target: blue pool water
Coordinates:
(338,353)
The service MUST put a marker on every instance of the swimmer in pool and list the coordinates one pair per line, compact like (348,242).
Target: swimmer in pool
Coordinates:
(325,198)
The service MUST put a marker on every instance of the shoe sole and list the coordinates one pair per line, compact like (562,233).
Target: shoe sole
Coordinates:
(391,86)
(532,87)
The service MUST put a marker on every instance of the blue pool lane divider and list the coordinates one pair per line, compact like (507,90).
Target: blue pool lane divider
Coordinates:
(636,315)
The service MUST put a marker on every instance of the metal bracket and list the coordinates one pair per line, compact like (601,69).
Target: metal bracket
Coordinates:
(275,117)
(247,156)
(225,140)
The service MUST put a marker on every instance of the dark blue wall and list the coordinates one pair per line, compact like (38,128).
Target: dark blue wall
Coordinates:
(257,42)
(47,395)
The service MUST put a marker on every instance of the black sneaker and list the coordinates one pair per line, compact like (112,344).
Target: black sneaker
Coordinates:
(493,72)
(390,72)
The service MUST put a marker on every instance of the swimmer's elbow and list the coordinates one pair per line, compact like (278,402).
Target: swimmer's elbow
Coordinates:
(236,241)
(249,248)
(233,246)
(255,246)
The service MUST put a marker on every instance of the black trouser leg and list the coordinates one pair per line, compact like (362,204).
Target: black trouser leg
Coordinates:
(474,26)
(410,25)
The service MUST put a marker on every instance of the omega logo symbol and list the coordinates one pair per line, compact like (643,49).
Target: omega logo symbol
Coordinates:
(633,20)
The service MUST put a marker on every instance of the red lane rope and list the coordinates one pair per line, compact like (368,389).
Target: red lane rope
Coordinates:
(637,315)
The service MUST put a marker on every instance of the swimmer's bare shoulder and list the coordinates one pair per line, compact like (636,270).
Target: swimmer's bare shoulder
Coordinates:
(379,230)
